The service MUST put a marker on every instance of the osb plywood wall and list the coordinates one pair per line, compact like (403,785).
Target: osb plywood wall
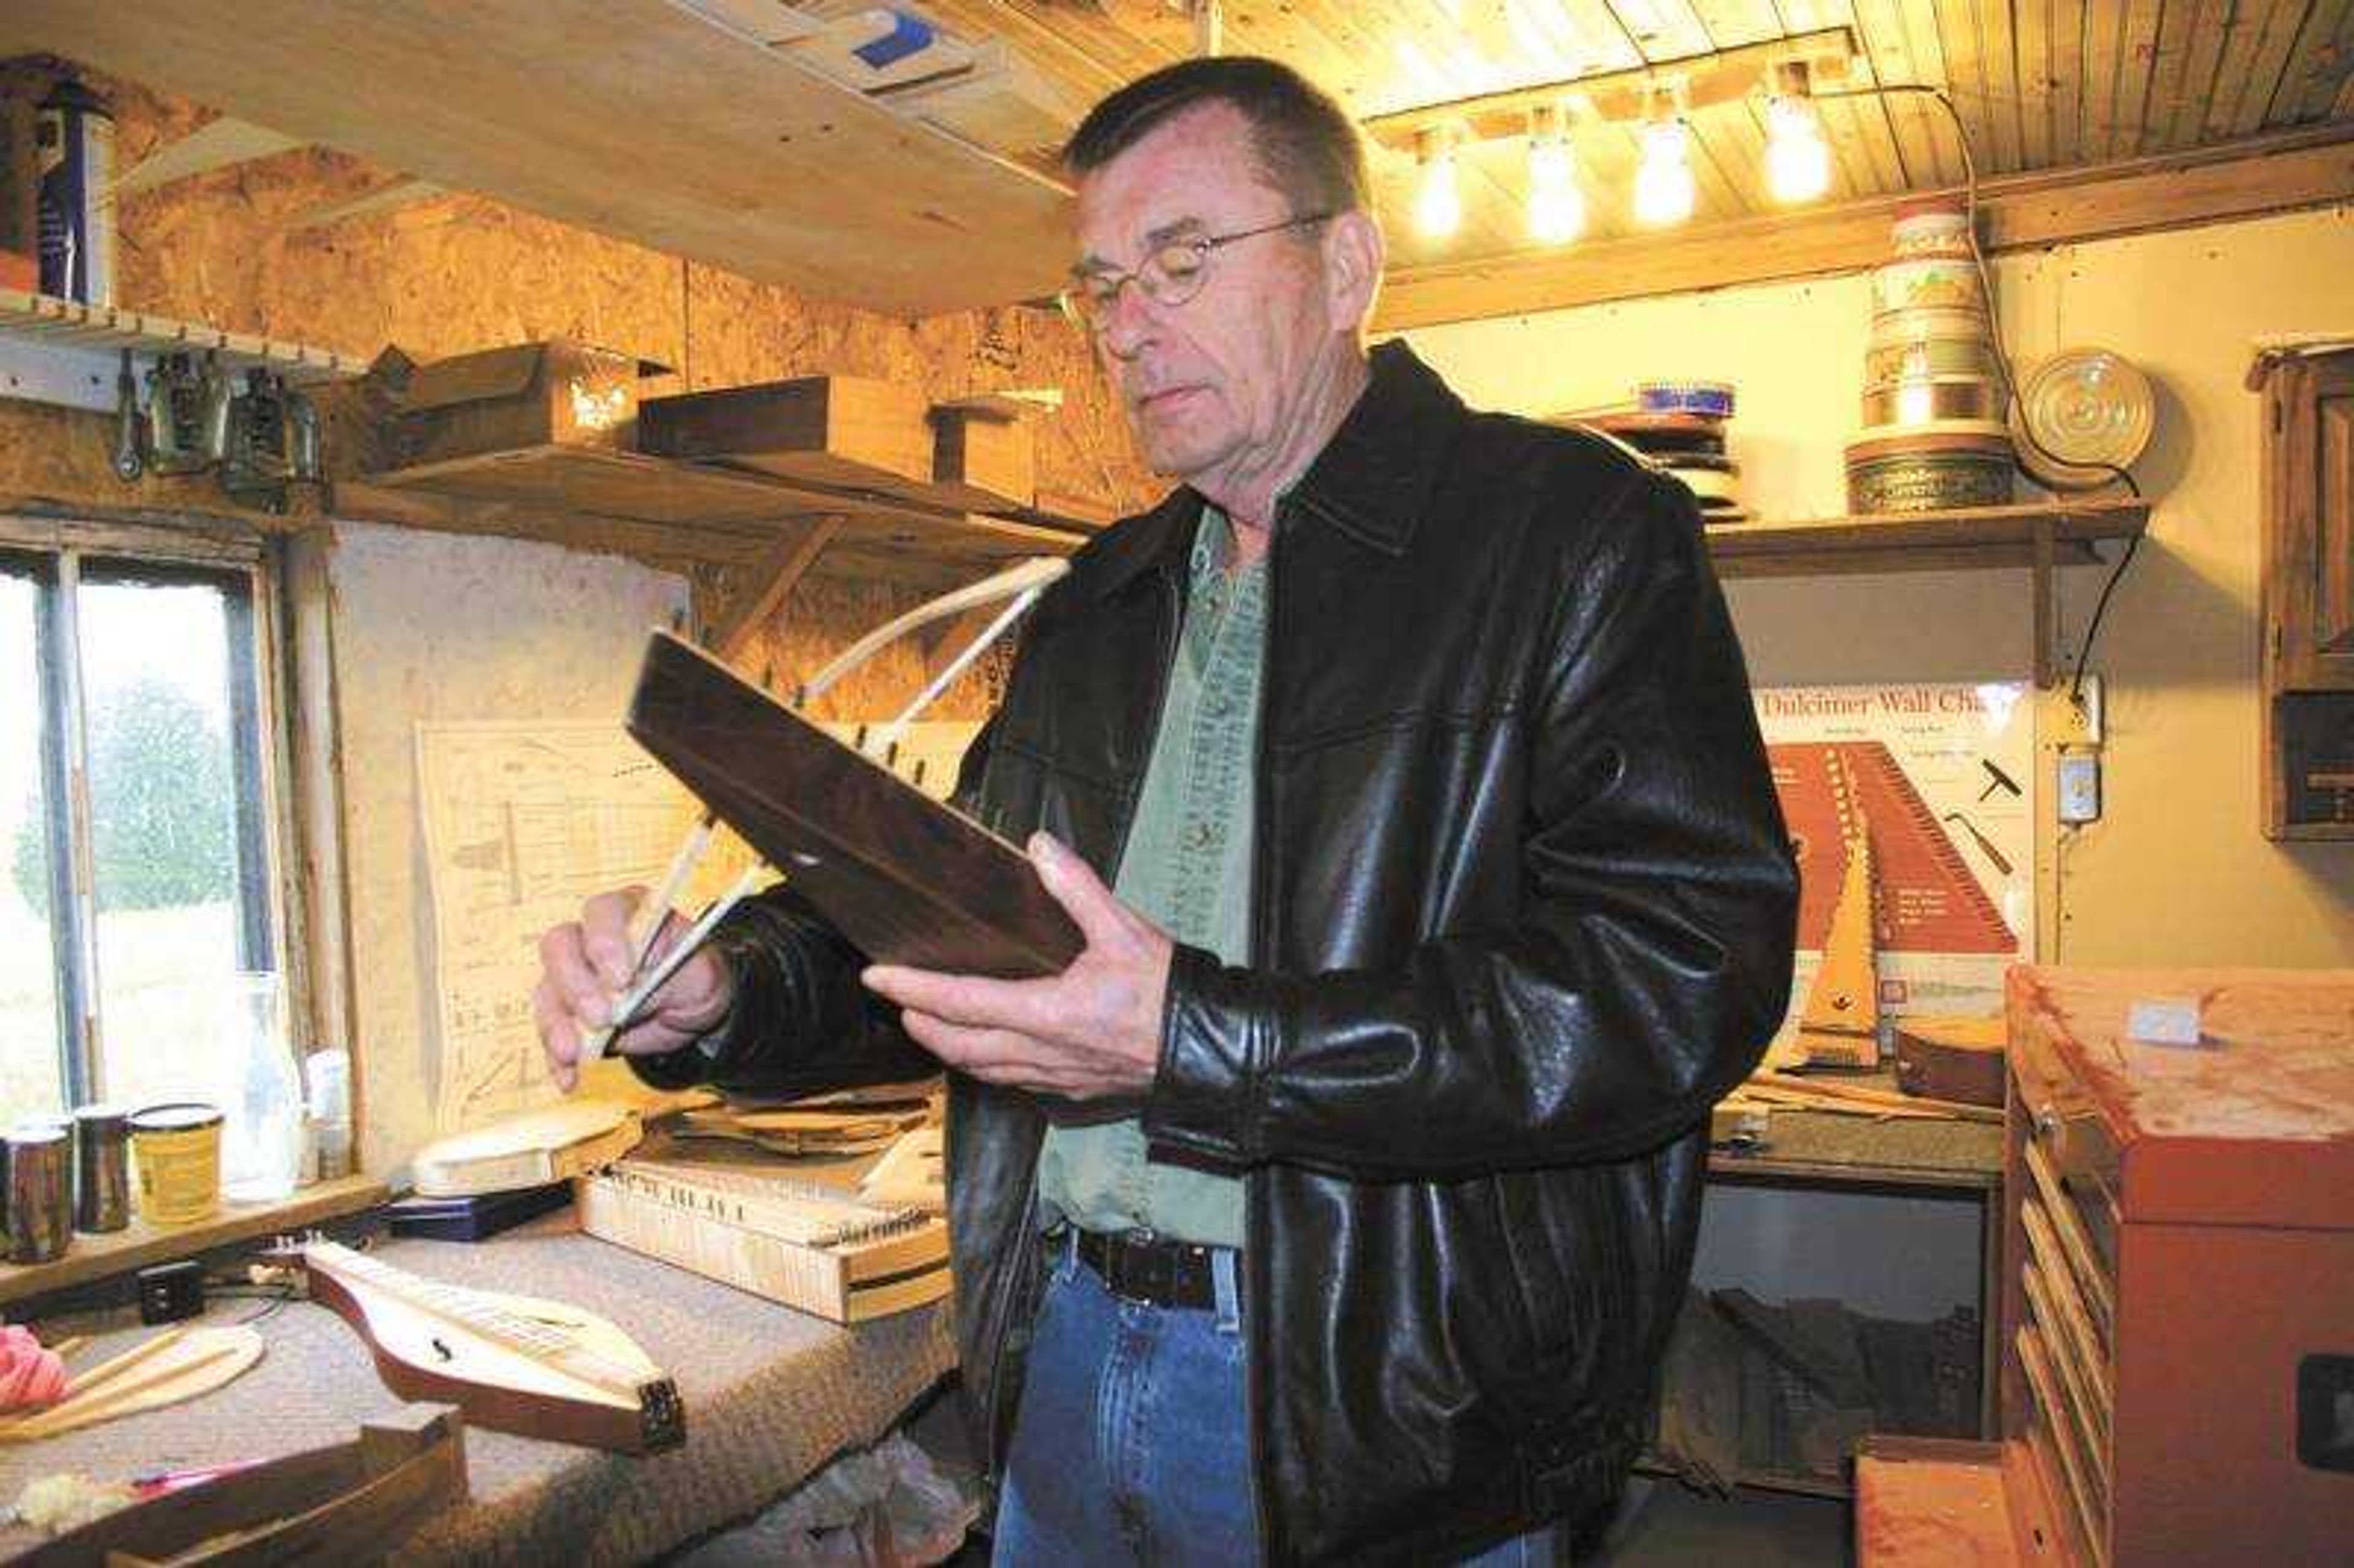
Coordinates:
(241,248)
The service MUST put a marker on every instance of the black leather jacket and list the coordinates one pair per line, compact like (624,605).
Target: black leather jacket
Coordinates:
(1522,911)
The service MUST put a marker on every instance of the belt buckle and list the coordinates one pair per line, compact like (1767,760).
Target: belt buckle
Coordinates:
(1142,1270)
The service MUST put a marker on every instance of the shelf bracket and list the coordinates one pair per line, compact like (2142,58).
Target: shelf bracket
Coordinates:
(761,600)
(2047,654)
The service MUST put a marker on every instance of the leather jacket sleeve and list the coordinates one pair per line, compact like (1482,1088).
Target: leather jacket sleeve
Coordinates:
(802,1024)
(1647,963)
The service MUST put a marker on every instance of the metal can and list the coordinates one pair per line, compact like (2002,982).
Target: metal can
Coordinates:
(101,1169)
(74,144)
(40,1193)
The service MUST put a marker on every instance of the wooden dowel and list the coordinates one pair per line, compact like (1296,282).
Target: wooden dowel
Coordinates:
(83,1411)
(1861,1095)
(127,1360)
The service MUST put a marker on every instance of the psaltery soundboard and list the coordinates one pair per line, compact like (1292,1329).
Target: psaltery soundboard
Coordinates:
(539,1369)
(554,1143)
(818,1249)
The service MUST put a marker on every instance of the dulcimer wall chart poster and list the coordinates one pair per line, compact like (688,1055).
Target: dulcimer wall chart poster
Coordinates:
(1937,783)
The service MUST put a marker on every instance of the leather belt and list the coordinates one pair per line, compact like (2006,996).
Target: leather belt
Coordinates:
(1137,1265)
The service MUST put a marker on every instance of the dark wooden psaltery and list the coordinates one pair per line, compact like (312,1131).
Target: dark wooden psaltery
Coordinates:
(907,879)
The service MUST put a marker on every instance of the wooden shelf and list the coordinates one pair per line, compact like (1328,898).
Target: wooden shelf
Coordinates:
(60,351)
(671,508)
(92,1257)
(2039,536)
(756,162)
(1971,538)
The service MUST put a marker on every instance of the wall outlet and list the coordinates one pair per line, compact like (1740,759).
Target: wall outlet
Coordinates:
(2080,785)
(2079,719)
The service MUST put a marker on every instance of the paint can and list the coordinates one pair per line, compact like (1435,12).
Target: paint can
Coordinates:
(177,1150)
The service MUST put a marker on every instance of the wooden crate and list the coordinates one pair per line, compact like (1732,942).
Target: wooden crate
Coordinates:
(844,430)
(557,393)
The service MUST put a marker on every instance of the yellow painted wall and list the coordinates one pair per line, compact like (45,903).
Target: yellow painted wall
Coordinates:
(2176,871)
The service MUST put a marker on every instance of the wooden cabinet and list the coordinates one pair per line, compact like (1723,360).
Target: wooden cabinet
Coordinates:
(2177,1346)
(2309,595)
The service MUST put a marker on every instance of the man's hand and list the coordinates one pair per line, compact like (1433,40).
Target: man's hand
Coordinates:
(585,972)
(1093,1029)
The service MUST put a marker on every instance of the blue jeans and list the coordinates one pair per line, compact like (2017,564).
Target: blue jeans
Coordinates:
(1133,1444)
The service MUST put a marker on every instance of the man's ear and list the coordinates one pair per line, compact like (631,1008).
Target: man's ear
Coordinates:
(1353,268)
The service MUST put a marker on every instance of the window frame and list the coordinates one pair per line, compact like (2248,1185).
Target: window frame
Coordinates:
(62,552)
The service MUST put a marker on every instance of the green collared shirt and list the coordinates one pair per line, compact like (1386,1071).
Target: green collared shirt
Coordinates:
(1187,868)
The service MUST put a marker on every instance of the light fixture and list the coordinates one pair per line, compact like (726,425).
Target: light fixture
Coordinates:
(1556,206)
(1664,191)
(1657,97)
(1438,203)
(1798,163)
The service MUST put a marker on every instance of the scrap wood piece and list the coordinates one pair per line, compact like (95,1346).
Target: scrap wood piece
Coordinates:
(1799,1099)
(1773,1332)
(1864,1095)
(349,1503)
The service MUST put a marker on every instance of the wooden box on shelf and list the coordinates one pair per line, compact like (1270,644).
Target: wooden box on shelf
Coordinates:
(983,460)
(846,430)
(557,393)
(2308,595)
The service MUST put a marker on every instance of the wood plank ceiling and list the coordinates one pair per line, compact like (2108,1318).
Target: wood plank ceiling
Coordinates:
(2040,84)
(637,116)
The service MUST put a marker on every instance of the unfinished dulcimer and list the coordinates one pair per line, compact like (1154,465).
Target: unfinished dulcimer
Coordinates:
(539,1369)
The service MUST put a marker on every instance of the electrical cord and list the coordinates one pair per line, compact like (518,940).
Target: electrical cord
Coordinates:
(2017,418)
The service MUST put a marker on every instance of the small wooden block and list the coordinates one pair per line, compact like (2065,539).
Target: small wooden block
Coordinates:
(982,462)
(846,430)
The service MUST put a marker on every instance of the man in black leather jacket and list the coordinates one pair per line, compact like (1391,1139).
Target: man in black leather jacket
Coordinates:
(1511,905)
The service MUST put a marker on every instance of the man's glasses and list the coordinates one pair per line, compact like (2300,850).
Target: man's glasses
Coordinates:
(1173,274)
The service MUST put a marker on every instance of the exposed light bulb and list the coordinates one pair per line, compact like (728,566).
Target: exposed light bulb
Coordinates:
(1556,206)
(1664,191)
(1797,161)
(1439,203)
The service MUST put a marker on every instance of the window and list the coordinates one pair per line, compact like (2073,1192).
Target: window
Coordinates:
(135,825)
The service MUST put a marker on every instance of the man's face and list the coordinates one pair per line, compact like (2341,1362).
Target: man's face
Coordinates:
(1211,386)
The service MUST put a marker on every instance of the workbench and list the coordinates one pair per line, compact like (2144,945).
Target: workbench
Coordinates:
(770,1394)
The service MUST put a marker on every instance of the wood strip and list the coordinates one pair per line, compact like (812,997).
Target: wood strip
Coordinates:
(2156,121)
(2136,60)
(1888,57)
(2269,71)
(216,144)
(2202,56)
(2031,21)
(2322,66)
(1998,70)
(2242,29)
(2280,172)
(1958,36)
